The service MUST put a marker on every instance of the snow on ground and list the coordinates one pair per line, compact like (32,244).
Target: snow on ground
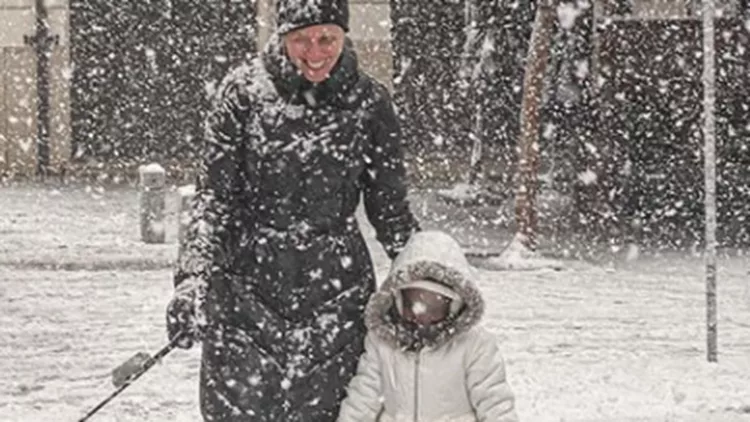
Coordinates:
(79,228)
(517,257)
(586,343)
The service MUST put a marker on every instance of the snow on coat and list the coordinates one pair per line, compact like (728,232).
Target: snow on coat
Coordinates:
(275,239)
(458,375)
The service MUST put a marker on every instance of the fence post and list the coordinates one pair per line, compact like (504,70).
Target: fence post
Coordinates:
(152,202)
(187,193)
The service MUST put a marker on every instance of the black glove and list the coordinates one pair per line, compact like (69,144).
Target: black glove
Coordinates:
(186,315)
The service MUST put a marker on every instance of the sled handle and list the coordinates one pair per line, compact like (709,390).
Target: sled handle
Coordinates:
(150,362)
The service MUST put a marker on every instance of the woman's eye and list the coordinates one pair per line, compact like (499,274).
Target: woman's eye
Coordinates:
(299,42)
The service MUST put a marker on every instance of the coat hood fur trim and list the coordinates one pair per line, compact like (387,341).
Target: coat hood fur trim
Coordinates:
(428,255)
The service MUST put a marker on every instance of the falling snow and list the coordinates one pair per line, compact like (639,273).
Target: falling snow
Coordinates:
(601,314)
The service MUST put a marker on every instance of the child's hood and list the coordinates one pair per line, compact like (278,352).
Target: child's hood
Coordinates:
(431,255)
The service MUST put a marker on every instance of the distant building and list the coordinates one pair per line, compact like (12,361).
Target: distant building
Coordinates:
(128,80)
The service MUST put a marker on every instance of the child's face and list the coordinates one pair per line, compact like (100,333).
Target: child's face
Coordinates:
(424,307)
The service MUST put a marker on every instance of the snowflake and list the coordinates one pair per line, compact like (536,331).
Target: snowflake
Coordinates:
(316,274)
(587,177)
(419,308)
(336,283)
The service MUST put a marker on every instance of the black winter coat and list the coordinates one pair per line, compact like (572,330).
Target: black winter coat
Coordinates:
(274,235)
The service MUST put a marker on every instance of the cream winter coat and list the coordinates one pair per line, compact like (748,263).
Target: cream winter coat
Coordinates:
(457,376)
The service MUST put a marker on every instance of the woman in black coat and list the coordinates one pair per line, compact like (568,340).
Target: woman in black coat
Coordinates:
(275,273)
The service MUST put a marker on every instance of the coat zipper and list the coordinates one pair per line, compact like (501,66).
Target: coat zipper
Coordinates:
(416,388)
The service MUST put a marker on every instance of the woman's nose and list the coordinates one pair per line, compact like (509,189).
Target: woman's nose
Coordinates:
(315,52)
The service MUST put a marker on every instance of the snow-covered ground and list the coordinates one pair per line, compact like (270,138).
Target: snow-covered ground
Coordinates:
(587,343)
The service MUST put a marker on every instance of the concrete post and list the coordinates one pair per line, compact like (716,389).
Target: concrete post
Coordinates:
(152,195)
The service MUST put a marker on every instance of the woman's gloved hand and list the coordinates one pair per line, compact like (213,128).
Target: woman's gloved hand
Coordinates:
(186,316)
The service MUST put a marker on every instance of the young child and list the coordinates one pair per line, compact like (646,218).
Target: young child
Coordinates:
(426,358)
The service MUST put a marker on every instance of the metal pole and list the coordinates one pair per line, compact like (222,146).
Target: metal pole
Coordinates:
(709,137)
(42,89)
(122,385)
(42,41)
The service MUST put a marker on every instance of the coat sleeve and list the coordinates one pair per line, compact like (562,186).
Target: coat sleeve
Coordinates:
(489,392)
(210,218)
(363,401)
(384,179)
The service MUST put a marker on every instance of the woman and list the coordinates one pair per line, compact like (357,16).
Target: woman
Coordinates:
(275,274)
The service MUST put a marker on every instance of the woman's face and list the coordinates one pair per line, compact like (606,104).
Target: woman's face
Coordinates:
(315,50)
(424,307)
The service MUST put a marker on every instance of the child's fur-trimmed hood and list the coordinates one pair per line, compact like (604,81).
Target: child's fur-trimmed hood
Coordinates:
(432,255)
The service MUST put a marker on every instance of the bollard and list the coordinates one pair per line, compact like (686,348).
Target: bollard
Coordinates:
(152,194)
(187,193)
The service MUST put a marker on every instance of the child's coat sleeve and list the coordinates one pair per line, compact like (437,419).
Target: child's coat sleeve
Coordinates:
(363,402)
(489,391)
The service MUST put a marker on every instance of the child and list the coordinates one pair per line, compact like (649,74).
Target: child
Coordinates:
(426,358)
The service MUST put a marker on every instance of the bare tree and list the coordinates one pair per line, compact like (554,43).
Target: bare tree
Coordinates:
(528,145)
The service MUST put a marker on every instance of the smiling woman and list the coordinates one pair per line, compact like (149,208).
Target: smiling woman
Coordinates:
(275,274)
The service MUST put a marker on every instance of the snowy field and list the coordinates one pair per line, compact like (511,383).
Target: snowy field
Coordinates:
(80,295)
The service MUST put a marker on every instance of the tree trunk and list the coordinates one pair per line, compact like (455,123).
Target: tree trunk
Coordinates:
(472,68)
(531,105)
